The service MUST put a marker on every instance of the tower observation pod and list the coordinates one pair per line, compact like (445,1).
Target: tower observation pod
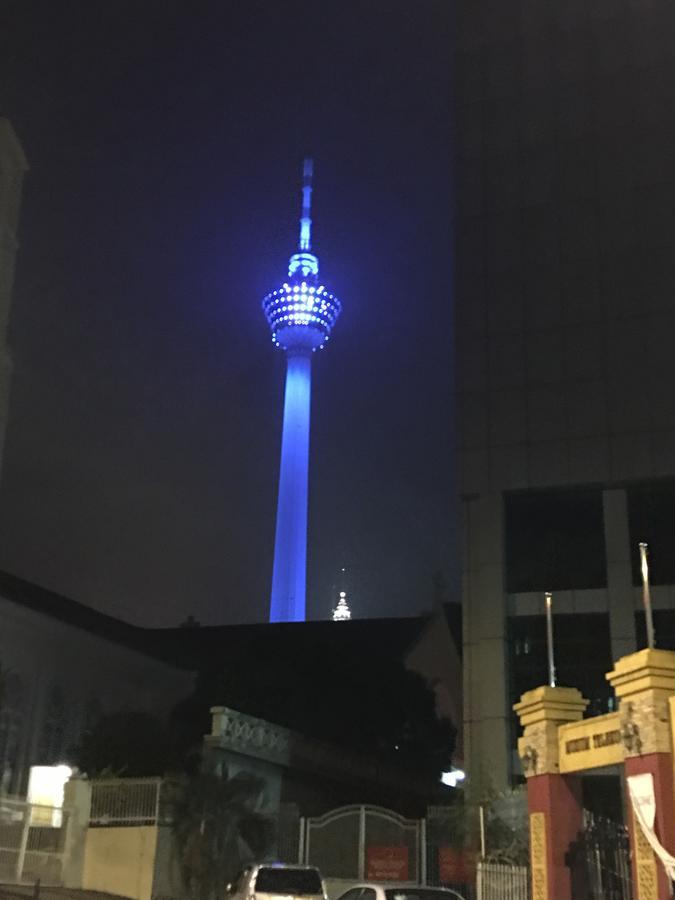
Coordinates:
(301,314)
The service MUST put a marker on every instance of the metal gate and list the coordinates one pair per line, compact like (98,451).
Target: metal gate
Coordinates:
(599,861)
(32,842)
(358,842)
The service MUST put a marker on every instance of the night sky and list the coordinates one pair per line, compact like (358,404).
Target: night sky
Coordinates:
(165,142)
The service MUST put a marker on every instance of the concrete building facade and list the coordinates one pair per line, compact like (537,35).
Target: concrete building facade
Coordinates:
(565,324)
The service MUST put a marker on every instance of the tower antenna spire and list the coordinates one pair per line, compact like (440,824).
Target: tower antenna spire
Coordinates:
(306,219)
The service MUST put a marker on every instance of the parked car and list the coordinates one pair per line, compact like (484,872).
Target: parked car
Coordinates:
(266,881)
(373,891)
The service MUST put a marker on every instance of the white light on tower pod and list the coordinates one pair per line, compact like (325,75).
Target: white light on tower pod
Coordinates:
(342,612)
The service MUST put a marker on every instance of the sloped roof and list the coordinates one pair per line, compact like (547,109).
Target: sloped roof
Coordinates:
(283,645)
(315,677)
(56,606)
(198,647)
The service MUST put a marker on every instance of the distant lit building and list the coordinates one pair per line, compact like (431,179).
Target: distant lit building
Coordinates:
(301,314)
(565,318)
(342,612)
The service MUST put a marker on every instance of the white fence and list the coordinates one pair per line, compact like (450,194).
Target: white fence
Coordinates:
(500,881)
(125,801)
(32,842)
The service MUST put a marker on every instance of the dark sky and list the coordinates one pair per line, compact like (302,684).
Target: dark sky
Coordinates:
(165,142)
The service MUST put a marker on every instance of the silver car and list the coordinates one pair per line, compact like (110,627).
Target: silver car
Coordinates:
(272,881)
(373,891)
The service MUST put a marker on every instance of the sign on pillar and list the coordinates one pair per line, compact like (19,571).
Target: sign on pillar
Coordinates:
(554,799)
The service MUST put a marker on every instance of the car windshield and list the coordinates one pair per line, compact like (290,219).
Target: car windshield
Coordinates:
(418,894)
(272,880)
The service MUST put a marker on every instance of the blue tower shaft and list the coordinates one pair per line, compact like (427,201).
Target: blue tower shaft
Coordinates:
(289,575)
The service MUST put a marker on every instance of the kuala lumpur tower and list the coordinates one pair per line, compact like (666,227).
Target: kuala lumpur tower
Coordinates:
(301,314)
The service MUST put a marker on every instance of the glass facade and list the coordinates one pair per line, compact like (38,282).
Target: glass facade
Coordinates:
(664,629)
(583,654)
(651,518)
(554,540)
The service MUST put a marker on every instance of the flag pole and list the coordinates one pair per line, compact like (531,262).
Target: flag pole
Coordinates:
(646,595)
(549,639)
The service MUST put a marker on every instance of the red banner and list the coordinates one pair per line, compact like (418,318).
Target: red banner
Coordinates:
(387,864)
(455,865)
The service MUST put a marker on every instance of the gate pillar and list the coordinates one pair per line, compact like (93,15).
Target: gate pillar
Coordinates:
(554,800)
(643,683)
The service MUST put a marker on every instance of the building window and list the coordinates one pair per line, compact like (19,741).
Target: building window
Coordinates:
(651,519)
(555,541)
(664,629)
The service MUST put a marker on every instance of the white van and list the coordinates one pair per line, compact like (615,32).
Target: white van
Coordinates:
(273,881)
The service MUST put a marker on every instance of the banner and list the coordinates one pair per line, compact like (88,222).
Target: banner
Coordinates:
(387,864)
(455,865)
(641,790)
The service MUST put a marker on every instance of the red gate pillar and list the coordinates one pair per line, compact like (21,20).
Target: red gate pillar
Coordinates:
(643,683)
(554,800)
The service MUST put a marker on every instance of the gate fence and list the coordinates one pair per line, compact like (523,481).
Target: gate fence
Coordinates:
(356,842)
(599,861)
(126,801)
(502,881)
(32,842)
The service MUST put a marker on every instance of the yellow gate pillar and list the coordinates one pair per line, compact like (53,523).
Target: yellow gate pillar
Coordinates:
(554,800)
(644,682)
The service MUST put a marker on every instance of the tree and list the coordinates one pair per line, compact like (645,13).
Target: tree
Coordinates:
(130,744)
(217,827)
(370,705)
(216,819)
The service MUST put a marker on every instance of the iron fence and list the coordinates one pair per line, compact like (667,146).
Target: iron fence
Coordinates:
(126,801)
(599,861)
(32,842)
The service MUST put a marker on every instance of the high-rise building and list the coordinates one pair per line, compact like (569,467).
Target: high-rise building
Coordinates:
(565,322)
(12,167)
(301,314)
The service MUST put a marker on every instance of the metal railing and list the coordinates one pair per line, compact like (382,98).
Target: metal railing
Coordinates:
(500,881)
(126,801)
(32,842)
(599,860)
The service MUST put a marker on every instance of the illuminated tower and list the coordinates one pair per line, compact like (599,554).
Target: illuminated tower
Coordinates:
(301,314)
(342,612)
